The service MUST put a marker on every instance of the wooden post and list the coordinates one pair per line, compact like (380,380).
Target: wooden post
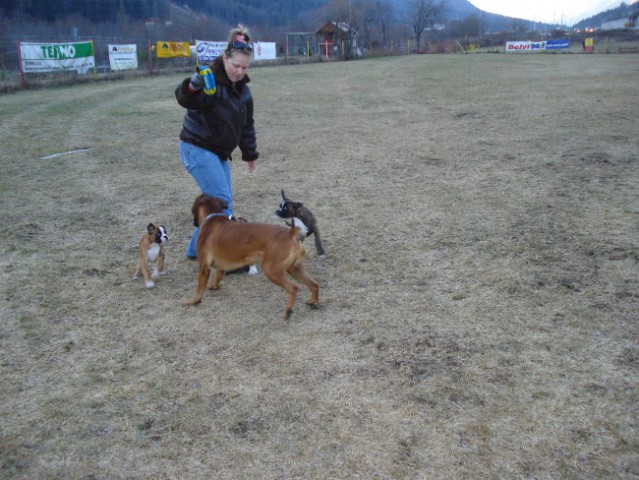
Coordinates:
(20,63)
(150,58)
(95,74)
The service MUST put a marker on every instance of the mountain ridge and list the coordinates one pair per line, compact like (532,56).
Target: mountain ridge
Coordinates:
(266,13)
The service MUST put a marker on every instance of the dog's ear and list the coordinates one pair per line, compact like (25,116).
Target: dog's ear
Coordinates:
(150,229)
(194,210)
(284,196)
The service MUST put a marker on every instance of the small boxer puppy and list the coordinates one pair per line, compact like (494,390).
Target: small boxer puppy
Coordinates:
(228,245)
(151,250)
(301,216)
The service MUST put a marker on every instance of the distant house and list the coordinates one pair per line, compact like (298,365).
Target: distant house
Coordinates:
(615,24)
(333,32)
(340,35)
(622,23)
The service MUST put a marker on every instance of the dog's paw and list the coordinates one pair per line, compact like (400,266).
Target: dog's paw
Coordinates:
(314,306)
(193,301)
(252,270)
(163,272)
(135,277)
(150,284)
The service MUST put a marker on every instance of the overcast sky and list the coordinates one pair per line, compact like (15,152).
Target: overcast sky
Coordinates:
(567,12)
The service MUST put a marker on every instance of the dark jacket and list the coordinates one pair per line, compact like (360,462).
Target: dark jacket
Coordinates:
(219,122)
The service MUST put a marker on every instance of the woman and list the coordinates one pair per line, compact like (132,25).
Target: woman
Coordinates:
(214,125)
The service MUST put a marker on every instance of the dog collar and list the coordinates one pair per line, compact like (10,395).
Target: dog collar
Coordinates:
(211,215)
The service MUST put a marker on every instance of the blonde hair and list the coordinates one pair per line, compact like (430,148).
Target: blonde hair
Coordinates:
(244,37)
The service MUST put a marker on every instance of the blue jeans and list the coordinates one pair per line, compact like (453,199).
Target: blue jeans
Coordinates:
(213,176)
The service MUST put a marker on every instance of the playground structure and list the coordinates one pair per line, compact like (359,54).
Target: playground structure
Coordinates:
(333,39)
(301,44)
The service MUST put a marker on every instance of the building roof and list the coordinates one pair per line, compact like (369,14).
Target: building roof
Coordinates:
(332,27)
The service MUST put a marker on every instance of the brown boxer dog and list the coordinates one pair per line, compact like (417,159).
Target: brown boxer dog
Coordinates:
(151,250)
(228,245)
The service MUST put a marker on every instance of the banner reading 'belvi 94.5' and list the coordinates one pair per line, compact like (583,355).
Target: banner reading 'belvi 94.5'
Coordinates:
(516,47)
(55,57)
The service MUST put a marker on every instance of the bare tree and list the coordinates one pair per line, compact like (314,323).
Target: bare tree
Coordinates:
(345,14)
(375,17)
(468,27)
(426,13)
(384,12)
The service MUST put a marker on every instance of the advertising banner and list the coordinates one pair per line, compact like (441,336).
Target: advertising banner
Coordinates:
(515,47)
(123,57)
(56,57)
(208,51)
(589,44)
(557,44)
(264,50)
(172,49)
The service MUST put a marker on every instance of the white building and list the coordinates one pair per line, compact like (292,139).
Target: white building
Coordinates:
(615,24)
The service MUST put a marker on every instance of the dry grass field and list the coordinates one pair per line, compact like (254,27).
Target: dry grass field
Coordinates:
(479,300)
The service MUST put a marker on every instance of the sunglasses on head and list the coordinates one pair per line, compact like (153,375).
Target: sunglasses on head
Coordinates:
(240,46)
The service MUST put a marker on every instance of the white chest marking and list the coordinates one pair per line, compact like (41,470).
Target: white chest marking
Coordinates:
(301,225)
(153,252)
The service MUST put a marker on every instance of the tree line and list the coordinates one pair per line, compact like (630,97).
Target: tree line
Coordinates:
(272,12)
(377,23)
